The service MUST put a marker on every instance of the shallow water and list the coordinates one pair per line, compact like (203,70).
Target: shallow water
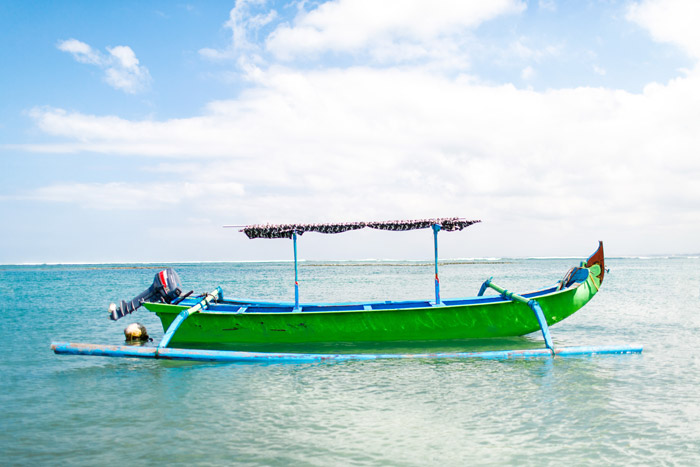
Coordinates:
(630,409)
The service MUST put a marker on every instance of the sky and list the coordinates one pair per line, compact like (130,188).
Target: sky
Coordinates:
(134,131)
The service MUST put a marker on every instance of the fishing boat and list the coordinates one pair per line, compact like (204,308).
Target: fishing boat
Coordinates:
(194,326)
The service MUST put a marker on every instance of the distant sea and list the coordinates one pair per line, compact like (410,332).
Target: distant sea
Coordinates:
(612,410)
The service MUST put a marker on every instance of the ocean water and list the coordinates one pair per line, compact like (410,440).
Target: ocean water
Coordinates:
(617,410)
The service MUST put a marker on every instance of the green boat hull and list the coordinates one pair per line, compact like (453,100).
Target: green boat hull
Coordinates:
(481,318)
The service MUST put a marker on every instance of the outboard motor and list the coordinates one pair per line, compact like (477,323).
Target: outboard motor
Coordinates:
(166,288)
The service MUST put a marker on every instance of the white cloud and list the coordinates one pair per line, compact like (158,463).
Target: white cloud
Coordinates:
(130,196)
(527,73)
(362,143)
(81,51)
(121,68)
(244,24)
(124,71)
(355,25)
(368,143)
(520,50)
(387,32)
(673,21)
(550,5)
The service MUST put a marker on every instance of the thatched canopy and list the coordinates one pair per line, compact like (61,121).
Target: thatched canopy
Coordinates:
(449,224)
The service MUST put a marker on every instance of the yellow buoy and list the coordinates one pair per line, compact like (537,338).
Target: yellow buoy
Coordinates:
(136,332)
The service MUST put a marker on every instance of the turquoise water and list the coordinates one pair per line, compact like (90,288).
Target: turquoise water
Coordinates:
(631,409)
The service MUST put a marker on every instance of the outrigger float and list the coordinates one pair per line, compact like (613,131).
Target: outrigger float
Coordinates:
(194,325)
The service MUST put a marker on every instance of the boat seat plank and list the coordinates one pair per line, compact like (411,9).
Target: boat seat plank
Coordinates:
(395,305)
(332,307)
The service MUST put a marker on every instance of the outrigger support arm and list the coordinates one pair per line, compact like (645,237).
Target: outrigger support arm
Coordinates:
(534,306)
(184,314)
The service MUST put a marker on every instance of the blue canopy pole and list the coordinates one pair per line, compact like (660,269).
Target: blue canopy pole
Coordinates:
(436,229)
(296,273)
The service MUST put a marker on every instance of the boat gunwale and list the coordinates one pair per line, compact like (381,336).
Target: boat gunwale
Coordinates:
(250,306)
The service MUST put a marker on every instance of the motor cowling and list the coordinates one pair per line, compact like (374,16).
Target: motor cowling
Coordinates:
(166,287)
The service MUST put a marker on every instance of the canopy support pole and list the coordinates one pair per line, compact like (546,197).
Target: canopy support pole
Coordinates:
(532,303)
(436,229)
(296,273)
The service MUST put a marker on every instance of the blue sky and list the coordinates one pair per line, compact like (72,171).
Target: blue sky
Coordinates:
(132,131)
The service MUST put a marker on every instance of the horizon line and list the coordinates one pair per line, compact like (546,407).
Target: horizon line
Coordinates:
(364,260)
